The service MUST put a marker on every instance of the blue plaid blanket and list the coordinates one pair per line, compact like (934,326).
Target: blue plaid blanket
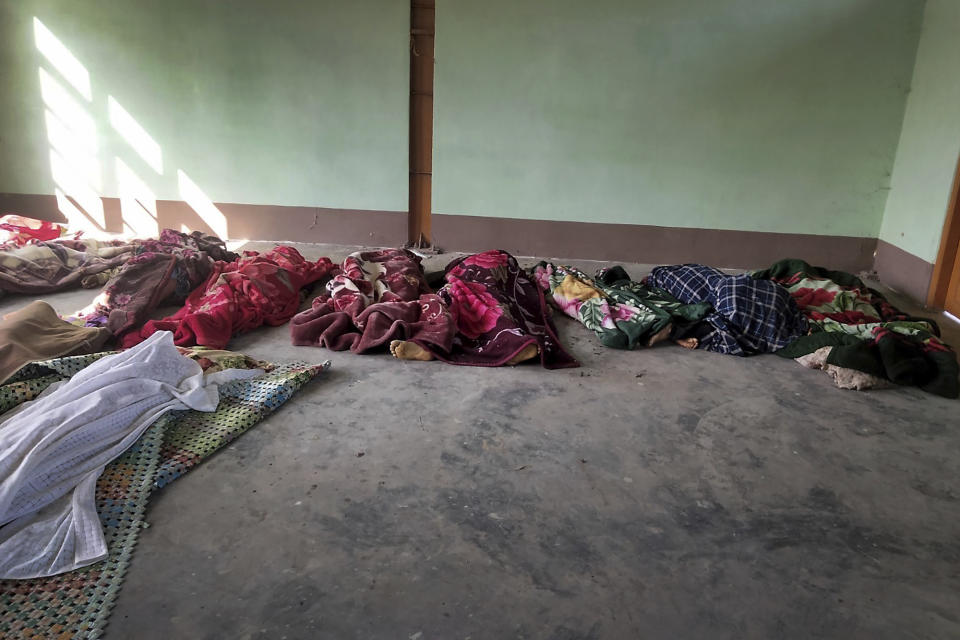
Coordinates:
(749,316)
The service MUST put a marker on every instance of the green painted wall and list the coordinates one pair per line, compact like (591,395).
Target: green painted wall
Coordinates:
(930,141)
(766,115)
(283,103)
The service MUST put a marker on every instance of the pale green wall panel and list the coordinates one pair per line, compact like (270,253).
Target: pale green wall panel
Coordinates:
(743,114)
(930,141)
(283,103)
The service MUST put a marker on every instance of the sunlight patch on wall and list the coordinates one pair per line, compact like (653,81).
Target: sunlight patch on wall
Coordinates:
(135,135)
(66,107)
(74,167)
(75,146)
(76,219)
(71,184)
(138,204)
(74,151)
(203,205)
(62,60)
(58,131)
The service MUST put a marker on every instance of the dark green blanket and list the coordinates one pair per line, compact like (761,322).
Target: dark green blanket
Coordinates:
(867,333)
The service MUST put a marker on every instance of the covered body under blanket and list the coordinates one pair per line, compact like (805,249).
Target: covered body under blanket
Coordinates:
(749,316)
(53,449)
(499,312)
(36,332)
(238,296)
(44,267)
(863,330)
(77,603)
(158,271)
(377,297)
(623,313)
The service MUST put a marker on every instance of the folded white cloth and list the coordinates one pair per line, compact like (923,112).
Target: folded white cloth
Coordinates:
(53,449)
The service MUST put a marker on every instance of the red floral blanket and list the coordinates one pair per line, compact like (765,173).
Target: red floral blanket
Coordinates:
(253,290)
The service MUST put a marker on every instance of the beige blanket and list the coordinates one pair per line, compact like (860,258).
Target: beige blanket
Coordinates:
(36,332)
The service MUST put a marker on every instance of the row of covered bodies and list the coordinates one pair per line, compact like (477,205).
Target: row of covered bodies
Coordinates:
(485,309)
(489,311)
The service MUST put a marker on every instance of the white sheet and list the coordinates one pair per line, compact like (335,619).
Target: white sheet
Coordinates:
(52,450)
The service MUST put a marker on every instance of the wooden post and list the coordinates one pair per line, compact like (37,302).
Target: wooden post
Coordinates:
(948,257)
(421,122)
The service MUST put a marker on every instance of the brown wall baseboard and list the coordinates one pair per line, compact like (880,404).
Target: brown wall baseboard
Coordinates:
(572,240)
(649,244)
(301,224)
(903,271)
(245,221)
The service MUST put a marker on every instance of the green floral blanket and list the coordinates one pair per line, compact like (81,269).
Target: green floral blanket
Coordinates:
(865,331)
(623,313)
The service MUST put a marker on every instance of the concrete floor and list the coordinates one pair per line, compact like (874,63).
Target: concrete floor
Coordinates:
(651,494)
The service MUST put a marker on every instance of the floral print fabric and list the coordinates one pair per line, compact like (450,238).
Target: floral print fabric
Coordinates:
(378,296)
(622,313)
(45,267)
(498,312)
(16,231)
(865,332)
(163,270)
(253,290)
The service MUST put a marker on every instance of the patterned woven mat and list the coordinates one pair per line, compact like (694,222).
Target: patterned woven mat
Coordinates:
(77,604)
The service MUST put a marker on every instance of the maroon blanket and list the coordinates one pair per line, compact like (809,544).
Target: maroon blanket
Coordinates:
(498,312)
(379,296)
